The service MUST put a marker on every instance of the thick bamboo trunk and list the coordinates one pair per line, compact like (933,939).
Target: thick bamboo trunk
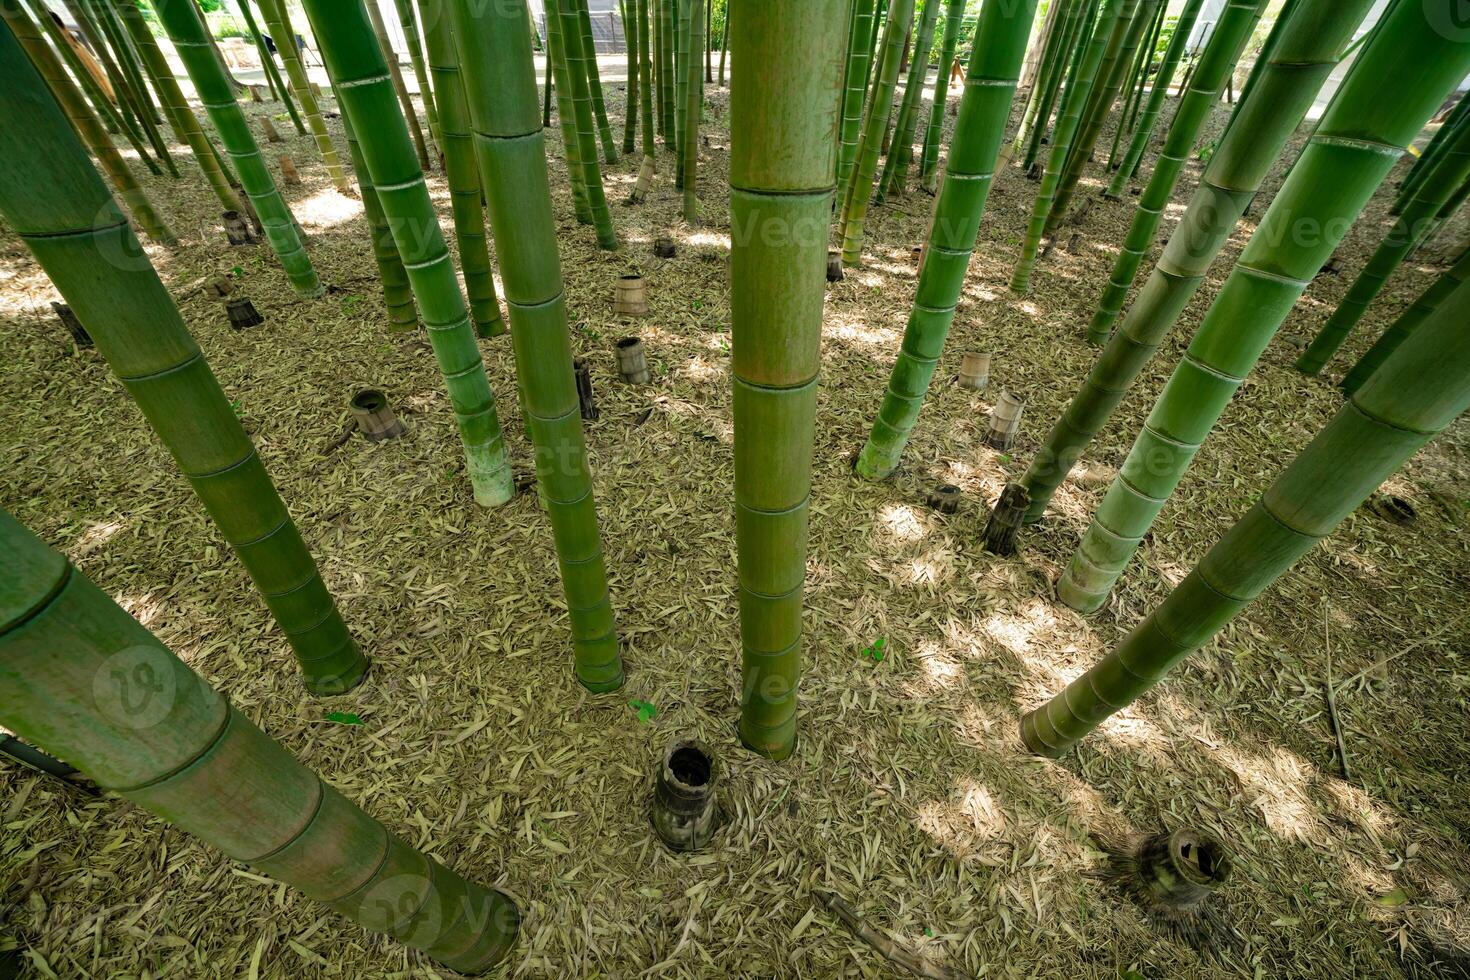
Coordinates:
(457,145)
(427,95)
(395,75)
(929,162)
(1403,77)
(501,88)
(1288,86)
(278,21)
(594,83)
(995,64)
(570,36)
(359,74)
(1421,389)
(694,94)
(896,166)
(397,294)
(86,125)
(71,662)
(79,237)
(1407,323)
(1157,95)
(1216,64)
(859,190)
(854,90)
(785,99)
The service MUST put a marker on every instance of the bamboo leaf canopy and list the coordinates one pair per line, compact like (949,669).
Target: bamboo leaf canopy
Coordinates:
(78,235)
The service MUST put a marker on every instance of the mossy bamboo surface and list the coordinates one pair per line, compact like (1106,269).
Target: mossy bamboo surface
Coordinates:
(782,180)
(1079,43)
(566,115)
(1418,219)
(859,192)
(900,156)
(1408,322)
(588,48)
(1231,33)
(929,162)
(277,18)
(1289,83)
(990,85)
(359,73)
(581,97)
(1420,390)
(85,246)
(1055,57)
(500,84)
(1157,96)
(1403,77)
(395,75)
(176,105)
(694,96)
(409,24)
(855,84)
(397,294)
(130,100)
(461,171)
(649,166)
(185,28)
(80,117)
(1079,86)
(81,677)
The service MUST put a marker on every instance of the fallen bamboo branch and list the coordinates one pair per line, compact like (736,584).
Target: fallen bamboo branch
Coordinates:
(885,946)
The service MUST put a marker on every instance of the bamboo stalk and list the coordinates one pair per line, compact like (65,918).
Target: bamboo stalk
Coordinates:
(1079,36)
(854,90)
(83,678)
(395,75)
(995,65)
(566,115)
(1159,93)
(929,162)
(680,27)
(1424,166)
(409,24)
(397,294)
(666,73)
(127,59)
(782,181)
(594,82)
(645,81)
(1404,75)
(1059,45)
(581,98)
(279,22)
(1422,387)
(272,73)
(694,93)
(1408,322)
(632,31)
(129,99)
(365,91)
(501,88)
(80,116)
(896,166)
(84,244)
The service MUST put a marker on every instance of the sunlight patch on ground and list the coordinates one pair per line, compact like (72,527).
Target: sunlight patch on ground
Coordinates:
(96,535)
(881,338)
(701,370)
(901,522)
(1275,784)
(326,209)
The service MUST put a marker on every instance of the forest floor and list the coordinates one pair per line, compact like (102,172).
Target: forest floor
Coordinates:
(910,794)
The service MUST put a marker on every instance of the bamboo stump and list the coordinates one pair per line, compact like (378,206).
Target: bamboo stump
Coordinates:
(242,314)
(834,266)
(237,229)
(974,371)
(289,176)
(630,296)
(1005,422)
(664,248)
(1006,519)
(684,810)
(219,288)
(945,498)
(272,135)
(632,364)
(586,402)
(375,417)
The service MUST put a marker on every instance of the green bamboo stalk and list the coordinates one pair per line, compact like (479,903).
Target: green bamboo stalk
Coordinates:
(929,162)
(1403,76)
(666,73)
(80,116)
(782,181)
(272,72)
(566,116)
(1157,96)
(80,238)
(185,28)
(400,88)
(1232,31)
(1054,59)
(84,679)
(1407,323)
(680,18)
(1137,81)
(409,24)
(1079,37)
(649,166)
(1418,219)
(279,23)
(594,83)
(1424,166)
(128,99)
(127,59)
(631,35)
(501,88)
(1420,390)
(995,66)
(1079,86)
(694,93)
(725,42)
(875,126)
(854,90)
(397,294)
(581,97)
(1263,57)
(460,171)
(1301,63)
(900,156)
(360,75)
(115,7)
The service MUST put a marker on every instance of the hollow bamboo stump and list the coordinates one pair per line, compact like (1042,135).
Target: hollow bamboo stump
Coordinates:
(630,296)
(267,127)
(374,416)
(1005,422)
(237,229)
(242,314)
(974,371)
(684,811)
(1006,519)
(664,248)
(632,364)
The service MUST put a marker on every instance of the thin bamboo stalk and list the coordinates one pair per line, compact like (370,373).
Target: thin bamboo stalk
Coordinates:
(1137,81)
(666,73)
(680,26)
(581,97)
(268,65)
(645,81)
(397,294)
(854,90)
(1407,323)
(127,59)
(929,162)
(278,21)
(995,65)
(725,43)
(1426,162)
(501,88)
(566,115)
(632,31)
(594,83)
(129,99)
(359,73)
(115,8)
(395,75)
(900,156)
(1079,34)
(1403,77)
(1053,61)
(1159,93)
(694,93)
(409,23)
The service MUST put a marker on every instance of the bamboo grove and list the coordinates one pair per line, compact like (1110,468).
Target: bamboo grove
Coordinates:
(841,114)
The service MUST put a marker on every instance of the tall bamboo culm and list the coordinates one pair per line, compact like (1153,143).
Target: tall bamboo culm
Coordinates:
(1401,80)
(115,36)
(1421,388)
(460,171)
(1079,33)
(268,62)
(427,93)
(278,20)
(782,180)
(995,65)
(900,156)
(632,34)
(400,87)
(81,118)
(666,71)
(1158,93)
(1425,164)
(854,90)
(92,81)
(581,98)
(649,166)
(1060,44)
(501,86)
(69,662)
(80,238)
(566,114)
(859,191)
(1408,322)
(365,91)
(693,108)
(929,162)
(397,294)
(1288,86)
(588,47)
